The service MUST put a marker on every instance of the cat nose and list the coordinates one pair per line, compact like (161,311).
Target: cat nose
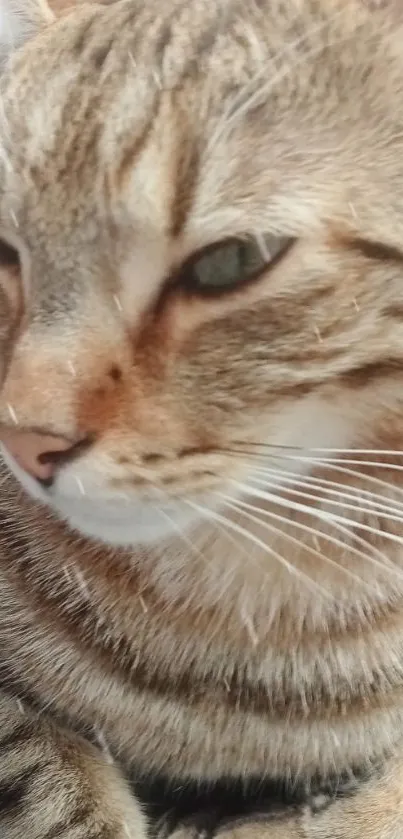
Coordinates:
(38,454)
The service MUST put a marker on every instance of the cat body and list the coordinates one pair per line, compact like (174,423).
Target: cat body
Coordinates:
(201,219)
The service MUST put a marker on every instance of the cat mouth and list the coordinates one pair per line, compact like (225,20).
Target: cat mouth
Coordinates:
(119,520)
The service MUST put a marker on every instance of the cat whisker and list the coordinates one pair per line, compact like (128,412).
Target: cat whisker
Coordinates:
(181,532)
(233,113)
(322,462)
(386,566)
(249,626)
(196,550)
(241,531)
(353,211)
(20,706)
(311,531)
(12,413)
(375,500)
(322,449)
(394,467)
(342,522)
(301,493)
(14,219)
(117,303)
(183,536)
(80,485)
(104,746)
(143,604)
(243,507)
(72,369)
(82,583)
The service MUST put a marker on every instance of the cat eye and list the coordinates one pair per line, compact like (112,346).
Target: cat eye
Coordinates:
(231,263)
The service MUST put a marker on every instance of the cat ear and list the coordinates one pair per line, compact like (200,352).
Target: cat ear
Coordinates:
(19,21)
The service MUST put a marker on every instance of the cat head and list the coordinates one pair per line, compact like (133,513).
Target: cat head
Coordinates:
(201,210)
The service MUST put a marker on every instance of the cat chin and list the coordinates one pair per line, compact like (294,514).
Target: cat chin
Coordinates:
(135,532)
(142,526)
(128,522)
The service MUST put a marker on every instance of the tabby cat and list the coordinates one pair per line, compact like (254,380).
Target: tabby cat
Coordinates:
(201,335)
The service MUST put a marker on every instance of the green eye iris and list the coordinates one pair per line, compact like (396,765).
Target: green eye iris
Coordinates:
(229,264)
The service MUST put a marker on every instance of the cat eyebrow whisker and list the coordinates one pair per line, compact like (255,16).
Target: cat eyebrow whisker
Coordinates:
(239,107)
(260,241)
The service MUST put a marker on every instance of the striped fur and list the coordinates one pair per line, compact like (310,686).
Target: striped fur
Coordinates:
(199,596)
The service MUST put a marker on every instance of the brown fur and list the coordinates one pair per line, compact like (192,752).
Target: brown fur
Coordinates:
(136,134)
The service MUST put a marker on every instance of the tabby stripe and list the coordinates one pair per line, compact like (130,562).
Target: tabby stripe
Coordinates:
(105,832)
(377,251)
(75,818)
(132,152)
(20,734)
(15,789)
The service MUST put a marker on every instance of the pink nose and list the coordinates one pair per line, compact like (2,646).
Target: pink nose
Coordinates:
(38,454)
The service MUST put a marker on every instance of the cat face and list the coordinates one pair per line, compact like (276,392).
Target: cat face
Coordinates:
(204,205)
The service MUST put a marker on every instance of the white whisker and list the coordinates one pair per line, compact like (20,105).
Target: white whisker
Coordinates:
(183,536)
(333,487)
(104,746)
(241,506)
(67,575)
(330,519)
(143,604)
(117,303)
(353,211)
(250,627)
(239,107)
(317,333)
(20,706)
(80,485)
(12,413)
(333,540)
(333,465)
(384,513)
(237,528)
(325,451)
(82,583)
(260,241)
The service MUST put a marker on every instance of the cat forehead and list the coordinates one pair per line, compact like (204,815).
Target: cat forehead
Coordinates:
(122,97)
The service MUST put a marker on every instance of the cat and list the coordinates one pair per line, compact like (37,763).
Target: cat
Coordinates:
(201,340)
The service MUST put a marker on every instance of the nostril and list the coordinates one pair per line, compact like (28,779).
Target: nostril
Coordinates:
(46,483)
(57,457)
(52,458)
(41,455)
